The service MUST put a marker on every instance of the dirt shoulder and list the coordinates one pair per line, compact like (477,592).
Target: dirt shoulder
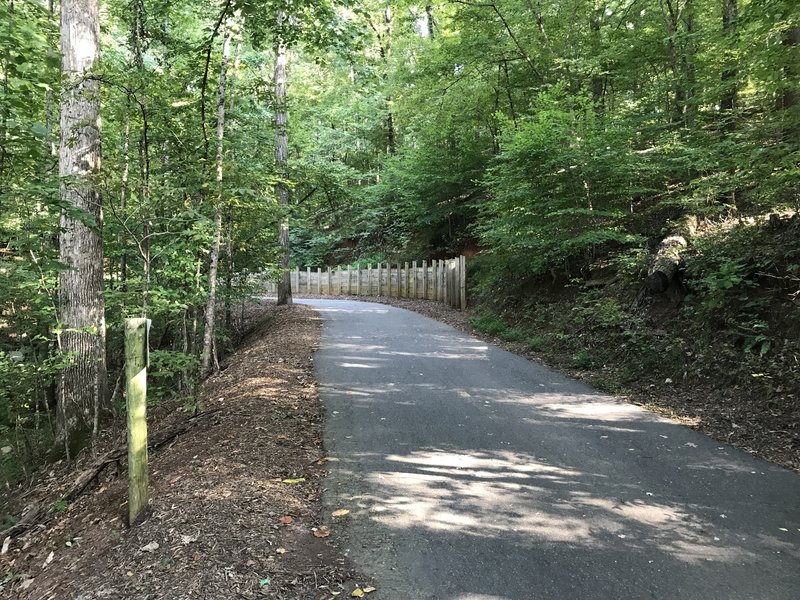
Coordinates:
(739,415)
(234,509)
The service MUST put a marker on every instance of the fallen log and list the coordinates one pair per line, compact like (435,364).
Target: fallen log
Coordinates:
(668,255)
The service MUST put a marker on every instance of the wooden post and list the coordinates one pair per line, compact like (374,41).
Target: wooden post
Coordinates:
(414,279)
(379,278)
(455,295)
(463,282)
(437,292)
(457,282)
(358,279)
(296,285)
(434,289)
(442,287)
(450,273)
(424,279)
(136,398)
(369,279)
(319,282)
(447,299)
(399,280)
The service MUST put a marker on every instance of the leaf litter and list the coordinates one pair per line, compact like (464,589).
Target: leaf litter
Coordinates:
(220,493)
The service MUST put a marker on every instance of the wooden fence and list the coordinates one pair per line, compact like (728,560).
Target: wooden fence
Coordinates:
(439,280)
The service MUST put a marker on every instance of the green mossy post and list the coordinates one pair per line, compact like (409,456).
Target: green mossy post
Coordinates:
(136,395)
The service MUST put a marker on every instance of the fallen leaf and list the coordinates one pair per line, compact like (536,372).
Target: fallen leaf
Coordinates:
(340,513)
(6,544)
(48,560)
(292,481)
(6,449)
(281,551)
(321,532)
(25,584)
(357,593)
(265,581)
(188,539)
(129,573)
(369,589)
(151,547)
(286,520)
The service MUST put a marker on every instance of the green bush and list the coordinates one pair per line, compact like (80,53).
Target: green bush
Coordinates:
(537,343)
(488,322)
(512,334)
(582,359)
(599,312)
(167,369)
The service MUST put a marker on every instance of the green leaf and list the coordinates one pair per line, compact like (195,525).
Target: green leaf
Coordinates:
(39,130)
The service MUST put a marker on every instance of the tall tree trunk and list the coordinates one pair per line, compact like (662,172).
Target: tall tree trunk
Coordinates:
(49,138)
(791,95)
(671,21)
(208,333)
(229,269)
(429,21)
(598,80)
(689,66)
(229,231)
(281,162)
(729,89)
(391,138)
(82,385)
(124,194)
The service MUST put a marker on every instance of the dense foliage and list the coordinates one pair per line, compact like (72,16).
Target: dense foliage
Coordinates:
(555,138)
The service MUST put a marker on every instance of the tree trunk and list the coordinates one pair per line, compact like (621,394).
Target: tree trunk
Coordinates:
(429,21)
(671,20)
(123,197)
(229,270)
(689,67)
(208,333)
(668,255)
(729,91)
(790,97)
(82,385)
(598,80)
(281,162)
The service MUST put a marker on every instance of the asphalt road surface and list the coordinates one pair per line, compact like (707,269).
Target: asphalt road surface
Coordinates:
(474,474)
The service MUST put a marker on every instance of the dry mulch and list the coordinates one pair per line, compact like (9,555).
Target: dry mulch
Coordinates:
(735,415)
(234,509)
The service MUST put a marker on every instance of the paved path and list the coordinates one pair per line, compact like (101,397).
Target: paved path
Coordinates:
(473,474)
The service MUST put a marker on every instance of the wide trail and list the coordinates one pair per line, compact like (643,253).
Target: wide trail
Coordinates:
(473,474)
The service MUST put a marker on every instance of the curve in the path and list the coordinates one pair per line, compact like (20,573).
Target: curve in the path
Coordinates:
(473,474)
